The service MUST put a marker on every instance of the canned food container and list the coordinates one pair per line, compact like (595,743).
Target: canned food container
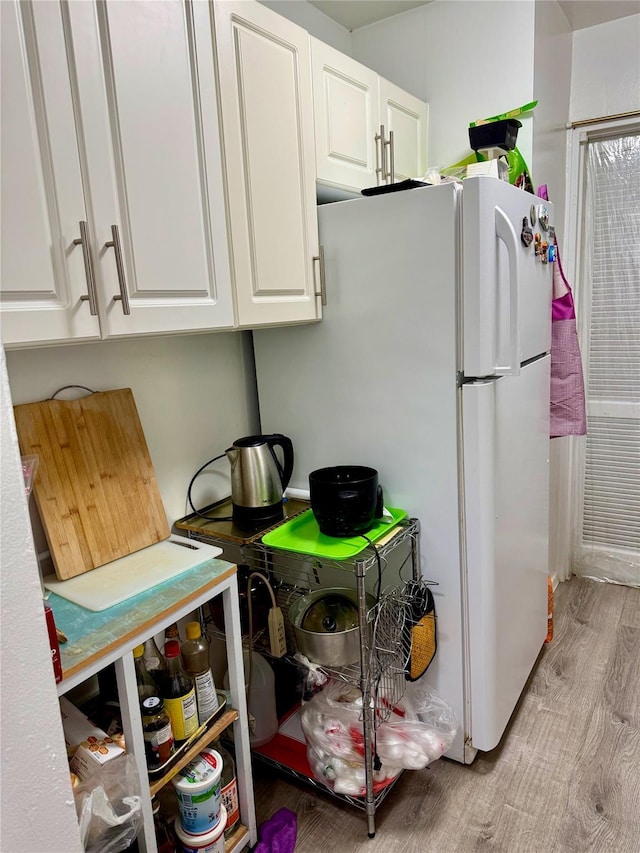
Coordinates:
(198,787)
(208,842)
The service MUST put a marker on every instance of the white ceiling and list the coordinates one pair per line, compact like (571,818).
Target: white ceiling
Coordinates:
(579,13)
(357,13)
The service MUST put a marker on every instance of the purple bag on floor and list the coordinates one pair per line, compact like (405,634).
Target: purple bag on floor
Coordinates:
(568,415)
(278,834)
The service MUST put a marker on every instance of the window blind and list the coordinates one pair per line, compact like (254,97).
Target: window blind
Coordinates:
(611,504)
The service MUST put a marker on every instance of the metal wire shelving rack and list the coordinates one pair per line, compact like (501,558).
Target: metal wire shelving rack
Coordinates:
(382,570)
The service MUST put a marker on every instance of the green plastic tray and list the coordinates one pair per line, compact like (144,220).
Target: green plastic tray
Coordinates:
(302,535)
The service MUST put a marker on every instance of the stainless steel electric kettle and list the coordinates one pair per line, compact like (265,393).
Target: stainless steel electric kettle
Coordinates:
(258,478)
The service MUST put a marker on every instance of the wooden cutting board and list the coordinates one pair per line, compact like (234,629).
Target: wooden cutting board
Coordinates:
(95,487)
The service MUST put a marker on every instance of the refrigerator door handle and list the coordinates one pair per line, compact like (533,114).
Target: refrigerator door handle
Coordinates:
(506,232)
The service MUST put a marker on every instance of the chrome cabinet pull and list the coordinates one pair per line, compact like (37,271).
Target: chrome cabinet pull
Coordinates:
(91,296)
(391,172)
(381,164)
(114,244)
(378,166)
(322,293)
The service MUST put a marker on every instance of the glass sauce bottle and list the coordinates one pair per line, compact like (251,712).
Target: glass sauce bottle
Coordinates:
(195,658)
(164,839)
(146,685)
(178,693)
(154,660)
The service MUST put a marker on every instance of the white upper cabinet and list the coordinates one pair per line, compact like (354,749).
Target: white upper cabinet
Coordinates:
(127,91)
(345,104)
(368,131)
(264,74)
(406,118)
(44,285)
(146,83)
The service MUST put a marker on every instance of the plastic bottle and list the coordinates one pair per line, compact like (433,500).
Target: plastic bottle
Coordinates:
(195,659)
(179,695)
(146,685)
(156,731)
(229,791)
(262,698)
(154,660)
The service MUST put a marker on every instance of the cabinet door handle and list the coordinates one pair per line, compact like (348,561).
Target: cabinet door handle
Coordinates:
(378,166)
(91,296)
(114,244)
(381,164)
(391,172)
(322,293)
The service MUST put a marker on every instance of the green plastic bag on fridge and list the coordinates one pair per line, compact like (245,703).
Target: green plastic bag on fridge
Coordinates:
(519,174)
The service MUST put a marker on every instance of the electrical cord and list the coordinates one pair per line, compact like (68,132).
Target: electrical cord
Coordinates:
(250,640)
(196,511)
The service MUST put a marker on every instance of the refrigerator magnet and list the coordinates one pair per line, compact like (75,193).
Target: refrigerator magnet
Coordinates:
(526,235)
(543,217)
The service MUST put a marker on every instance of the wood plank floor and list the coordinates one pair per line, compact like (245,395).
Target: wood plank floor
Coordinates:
(565,778)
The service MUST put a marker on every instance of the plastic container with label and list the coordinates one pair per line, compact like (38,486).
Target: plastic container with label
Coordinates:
(208,842)
(198,789)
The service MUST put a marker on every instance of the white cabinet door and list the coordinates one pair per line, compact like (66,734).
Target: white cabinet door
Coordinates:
(43,281)
(145,77)
(368,131)
(345,105)
(405,116)
(109,118)
(264,71)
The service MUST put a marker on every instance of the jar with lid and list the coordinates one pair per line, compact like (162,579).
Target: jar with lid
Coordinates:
(157,732)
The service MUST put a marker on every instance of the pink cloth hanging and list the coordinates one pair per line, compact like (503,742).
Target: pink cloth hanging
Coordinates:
(568,413)
(568,410)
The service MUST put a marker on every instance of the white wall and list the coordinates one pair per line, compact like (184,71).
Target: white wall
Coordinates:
(552,85)
(194,396)
(396,49)
(38,811)
(605,76)
(467,59)
(314,21)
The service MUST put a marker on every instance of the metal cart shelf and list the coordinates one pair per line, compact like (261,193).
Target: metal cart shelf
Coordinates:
(381,569)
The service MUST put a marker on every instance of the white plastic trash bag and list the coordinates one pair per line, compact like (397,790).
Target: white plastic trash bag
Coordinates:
(418,730)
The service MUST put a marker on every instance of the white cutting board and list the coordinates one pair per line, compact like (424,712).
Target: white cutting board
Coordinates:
(135,573)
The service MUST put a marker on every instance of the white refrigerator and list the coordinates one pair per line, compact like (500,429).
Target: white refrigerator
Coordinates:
(431,364)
